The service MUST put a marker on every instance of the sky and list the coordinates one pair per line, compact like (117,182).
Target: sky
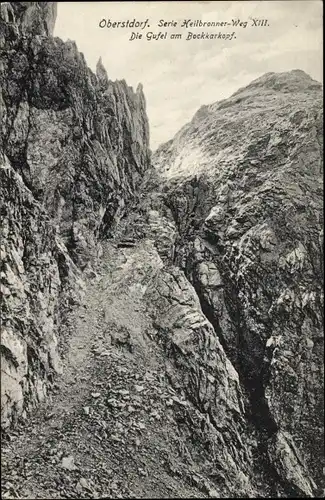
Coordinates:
(180,75)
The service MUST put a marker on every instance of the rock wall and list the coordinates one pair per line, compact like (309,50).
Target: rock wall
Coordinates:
(197,365)
(243,181)
(79,141)
(39,283)
(74,147)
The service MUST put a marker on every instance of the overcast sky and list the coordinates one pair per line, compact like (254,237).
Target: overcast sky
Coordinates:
(179,76)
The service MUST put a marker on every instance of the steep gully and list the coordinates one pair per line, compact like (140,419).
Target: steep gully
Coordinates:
(251,367)
(250,356)
(171,347)
(251,375)
(239,216)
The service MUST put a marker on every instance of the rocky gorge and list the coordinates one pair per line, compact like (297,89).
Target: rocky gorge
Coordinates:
(161,314)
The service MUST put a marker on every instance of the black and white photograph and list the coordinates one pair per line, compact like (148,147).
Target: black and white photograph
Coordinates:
(161,249)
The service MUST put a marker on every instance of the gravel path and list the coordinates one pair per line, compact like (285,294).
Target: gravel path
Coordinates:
(110,430)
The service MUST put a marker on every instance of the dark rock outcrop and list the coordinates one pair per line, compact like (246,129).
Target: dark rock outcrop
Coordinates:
(74,147)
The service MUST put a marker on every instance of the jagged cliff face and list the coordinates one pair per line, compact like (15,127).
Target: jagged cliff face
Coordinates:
(243,181)
(78,140)
(74,146)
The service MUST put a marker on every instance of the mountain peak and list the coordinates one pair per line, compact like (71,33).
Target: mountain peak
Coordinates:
(289,81)
(101,72)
